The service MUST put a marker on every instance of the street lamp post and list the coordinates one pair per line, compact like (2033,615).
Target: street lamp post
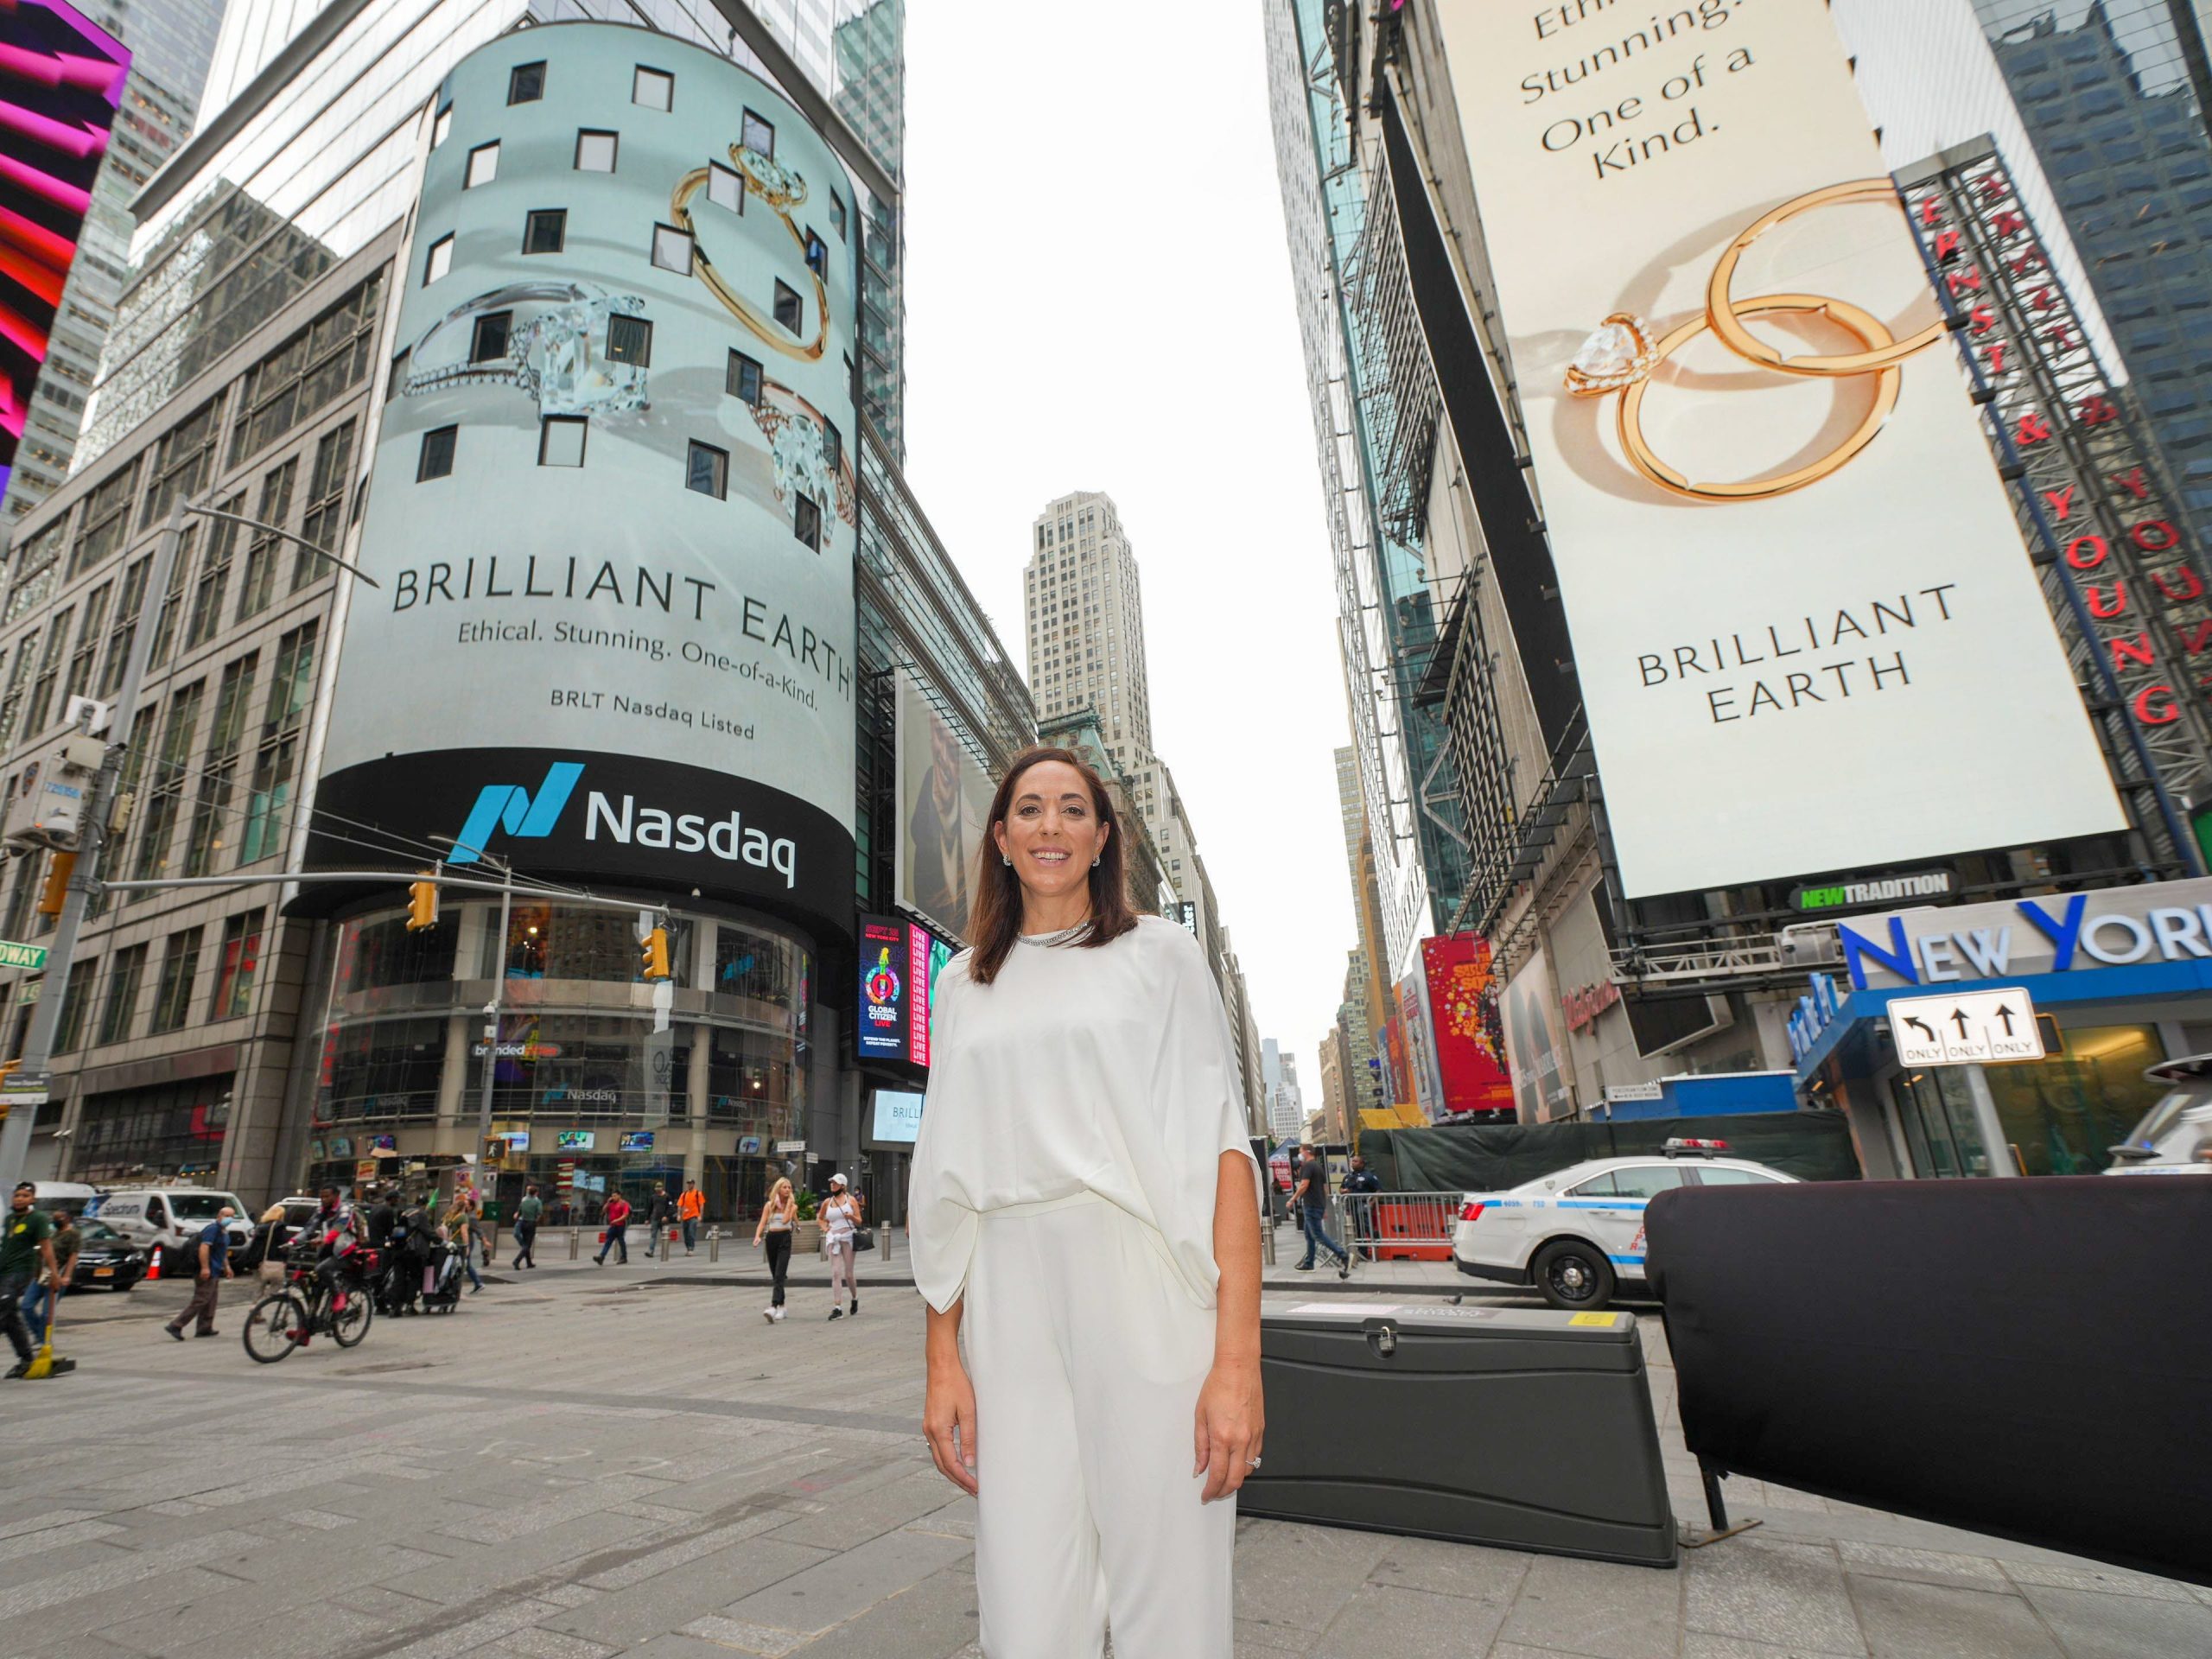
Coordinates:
(46,1014)
(499,990)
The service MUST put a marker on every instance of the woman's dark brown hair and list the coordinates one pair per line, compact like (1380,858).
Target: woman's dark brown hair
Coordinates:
(995,917)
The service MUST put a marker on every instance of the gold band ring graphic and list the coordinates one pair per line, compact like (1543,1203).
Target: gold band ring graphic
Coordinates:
(780,196)
(1628,371)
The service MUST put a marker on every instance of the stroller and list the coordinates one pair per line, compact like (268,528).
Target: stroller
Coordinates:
(442,1279)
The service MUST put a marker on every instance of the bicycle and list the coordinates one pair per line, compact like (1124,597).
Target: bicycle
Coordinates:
(313,1302)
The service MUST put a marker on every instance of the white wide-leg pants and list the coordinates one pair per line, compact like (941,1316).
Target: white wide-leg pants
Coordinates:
(1086,1356)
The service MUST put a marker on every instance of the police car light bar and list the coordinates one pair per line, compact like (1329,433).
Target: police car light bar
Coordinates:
(1676,1147)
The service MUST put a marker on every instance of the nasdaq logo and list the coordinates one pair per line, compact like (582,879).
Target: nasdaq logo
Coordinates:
(514,809)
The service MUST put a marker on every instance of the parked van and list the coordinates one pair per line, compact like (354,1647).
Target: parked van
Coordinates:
(170,1217)
(73,1196)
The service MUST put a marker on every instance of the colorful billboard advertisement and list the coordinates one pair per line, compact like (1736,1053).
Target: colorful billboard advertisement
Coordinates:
(944,804)
(613,506)
(1469,1028)
(898,964)
(60,82)
(1535,1044)
(1801,609)
(881,1033)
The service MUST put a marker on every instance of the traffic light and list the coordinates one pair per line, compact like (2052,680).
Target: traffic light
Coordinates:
(422,905)
(655,947)
(56,890)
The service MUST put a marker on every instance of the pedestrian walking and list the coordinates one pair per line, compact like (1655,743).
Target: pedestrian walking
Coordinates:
(618,1224)
(840,1216)
(1312,1195)
(38,1306)
(660,1211)
(26,1252)
(777,1219)
(210,1255)
(1085,1222)
(1359,1182)
(526,1215)
(689,1209)
(460,1233)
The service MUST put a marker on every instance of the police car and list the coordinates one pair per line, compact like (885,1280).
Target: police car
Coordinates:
(1578,1235)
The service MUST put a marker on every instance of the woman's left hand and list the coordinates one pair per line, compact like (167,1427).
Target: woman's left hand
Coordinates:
(1231,1422)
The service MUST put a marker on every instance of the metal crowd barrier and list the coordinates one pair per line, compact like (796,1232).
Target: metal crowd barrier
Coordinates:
(1397,1226)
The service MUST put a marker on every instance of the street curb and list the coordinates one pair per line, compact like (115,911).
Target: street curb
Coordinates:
(1321,1286)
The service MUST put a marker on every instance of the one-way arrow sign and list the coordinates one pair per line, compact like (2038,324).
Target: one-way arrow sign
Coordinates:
(1964,1028)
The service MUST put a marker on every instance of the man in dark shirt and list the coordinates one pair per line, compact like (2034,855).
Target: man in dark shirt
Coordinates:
(662,1211)
(1359,1181)
(38,1306)
(213,1254)
(1313,1195)
(26,1251)
(526,1215)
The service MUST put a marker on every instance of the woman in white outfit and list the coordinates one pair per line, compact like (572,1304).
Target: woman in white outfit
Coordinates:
(1085,1214)
(840,1218)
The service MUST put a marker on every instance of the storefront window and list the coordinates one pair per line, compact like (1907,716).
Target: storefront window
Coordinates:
(379,951)
(1937,1115)
(2061,1115)
(384,1068)
(565,942)
(169,1131)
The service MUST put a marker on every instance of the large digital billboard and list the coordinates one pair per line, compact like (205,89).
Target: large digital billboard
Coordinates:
(60,81)
(899,965)
(1803,619)
(1464,1012)
(944,807)
(613,504)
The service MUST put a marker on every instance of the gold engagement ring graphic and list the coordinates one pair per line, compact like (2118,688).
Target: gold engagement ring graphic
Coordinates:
(1624,351)
(783,190)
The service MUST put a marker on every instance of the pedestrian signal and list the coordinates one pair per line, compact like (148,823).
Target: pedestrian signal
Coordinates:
(654,947)
(422,905)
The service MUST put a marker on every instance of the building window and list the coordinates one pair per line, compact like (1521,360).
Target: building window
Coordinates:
(397,382)
(183,459)
(725,188)
(595,150)
(652,89)
(526,83)
(806,521)
(672,249)
(759,135)
(74,1002)
(630,339)
(234,967)
(437,459)
(789,311)
(105,517)
(707,470)
(743,380)
(290,691)
(833,446)
(483,165)
(325,519)
(180,966)
(487,343)
(818,253)
(561,440)
(546,231)
(123,975)
(258,586)
(837,214)
(271,794)
(309,371)
(439,261)
(208,596)
(441,124)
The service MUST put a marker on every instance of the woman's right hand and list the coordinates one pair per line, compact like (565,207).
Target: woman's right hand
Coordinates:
(949,1424)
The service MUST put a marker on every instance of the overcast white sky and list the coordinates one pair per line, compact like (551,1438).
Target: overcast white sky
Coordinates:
(1098,298)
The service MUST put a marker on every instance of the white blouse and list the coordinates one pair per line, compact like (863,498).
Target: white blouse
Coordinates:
(1107,1071)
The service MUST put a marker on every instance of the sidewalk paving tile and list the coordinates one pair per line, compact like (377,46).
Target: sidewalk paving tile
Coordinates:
(1599,1608)
(1939,1621)
(1924,1566)
(838,1589)
(2092,1625)
(1382,1618)
(1787,1595)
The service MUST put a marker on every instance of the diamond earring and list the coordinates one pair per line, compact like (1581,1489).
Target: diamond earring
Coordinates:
(1004,860)
(1094,863)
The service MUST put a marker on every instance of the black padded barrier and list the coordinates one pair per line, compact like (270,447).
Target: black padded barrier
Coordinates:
(2030,1359)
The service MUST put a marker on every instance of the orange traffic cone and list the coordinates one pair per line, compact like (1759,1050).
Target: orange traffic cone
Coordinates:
(153,1265)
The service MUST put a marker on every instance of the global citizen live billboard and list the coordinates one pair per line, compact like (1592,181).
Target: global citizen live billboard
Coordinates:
(612,503)
(61,79)
(899,965)
(1804,623)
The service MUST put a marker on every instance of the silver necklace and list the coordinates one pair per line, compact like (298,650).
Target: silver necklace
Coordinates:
(1064,936)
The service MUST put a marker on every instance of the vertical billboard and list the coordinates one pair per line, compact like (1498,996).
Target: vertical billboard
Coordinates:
(1535,1044)
(613,504)
(1463,1012)
(1800,609)
(944,809)
(899,965)
(60,81)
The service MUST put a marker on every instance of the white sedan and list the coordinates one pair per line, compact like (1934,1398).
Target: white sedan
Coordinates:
(1577,1234)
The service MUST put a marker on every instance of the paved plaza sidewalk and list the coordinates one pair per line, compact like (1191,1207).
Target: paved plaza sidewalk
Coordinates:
(582,1465)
